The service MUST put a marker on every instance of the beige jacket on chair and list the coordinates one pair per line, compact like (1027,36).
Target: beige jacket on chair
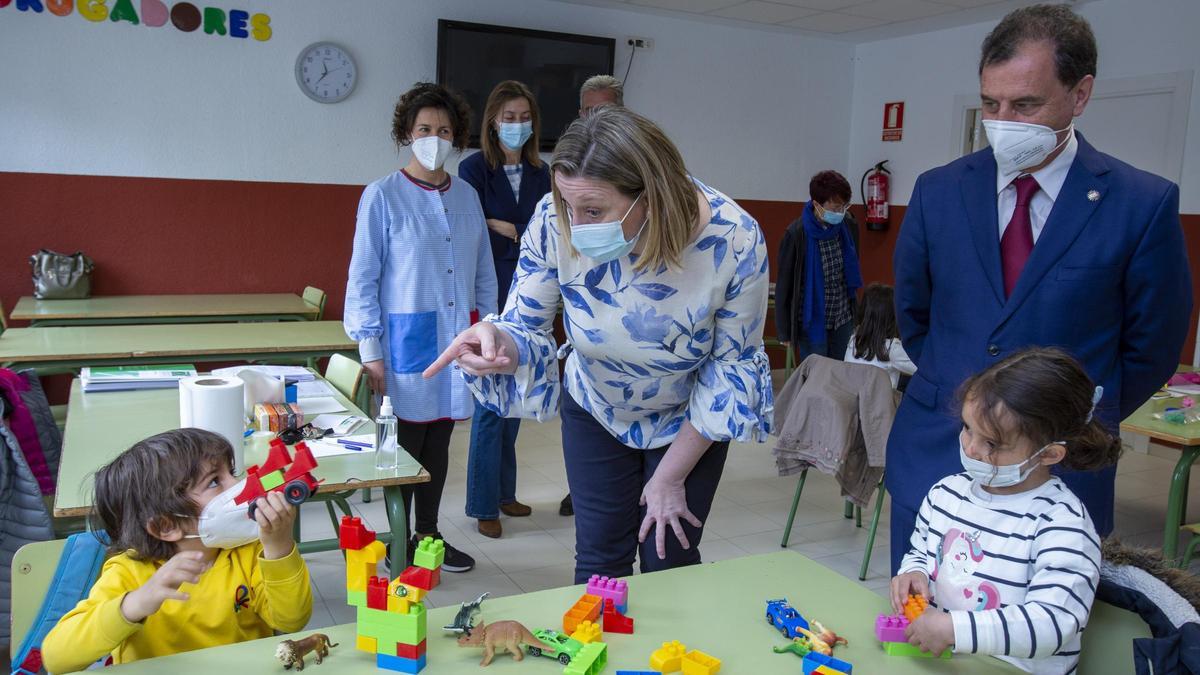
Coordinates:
(836,416)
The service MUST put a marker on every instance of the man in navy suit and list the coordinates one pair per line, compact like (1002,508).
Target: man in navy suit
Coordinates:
(1038,240)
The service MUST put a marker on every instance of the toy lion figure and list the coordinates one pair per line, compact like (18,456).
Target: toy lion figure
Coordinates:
(291,652)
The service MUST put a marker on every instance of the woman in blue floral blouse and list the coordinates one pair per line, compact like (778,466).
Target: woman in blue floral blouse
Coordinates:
(665,287)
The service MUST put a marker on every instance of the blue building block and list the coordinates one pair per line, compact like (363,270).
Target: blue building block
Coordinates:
(399,664)
(624,609)
(814,660)
(638,672)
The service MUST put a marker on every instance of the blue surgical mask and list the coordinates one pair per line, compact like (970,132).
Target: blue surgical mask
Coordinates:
(603,242)
(832,217)
(514,134)
(1003,475)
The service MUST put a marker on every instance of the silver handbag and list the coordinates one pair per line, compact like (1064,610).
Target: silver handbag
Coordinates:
(58,276)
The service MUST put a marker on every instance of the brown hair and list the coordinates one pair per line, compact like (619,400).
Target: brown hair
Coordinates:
(149,484)
(617,146)
(489,140)
(1070,34)
(1048,396)
(875,322)
(429,95)
(829,184)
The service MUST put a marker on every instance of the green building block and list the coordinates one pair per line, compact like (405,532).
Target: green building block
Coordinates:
(271,480)
(589,661)
(393,627)
(430,553)
(356,598)
(905,649)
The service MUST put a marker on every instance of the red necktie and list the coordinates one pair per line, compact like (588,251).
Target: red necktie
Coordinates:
(1017,242)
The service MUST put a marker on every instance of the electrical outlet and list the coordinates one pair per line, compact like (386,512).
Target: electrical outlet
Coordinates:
(639,42)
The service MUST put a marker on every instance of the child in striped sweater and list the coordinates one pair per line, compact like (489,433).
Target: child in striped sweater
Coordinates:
(1005,549)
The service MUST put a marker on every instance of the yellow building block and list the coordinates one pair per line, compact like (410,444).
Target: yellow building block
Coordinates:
(362,564)
(826,670)
(667,658)
(406,591)
(366,644)
(398,605)
(586,632)
(697,662)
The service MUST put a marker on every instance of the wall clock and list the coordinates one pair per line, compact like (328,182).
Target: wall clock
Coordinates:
(326,72)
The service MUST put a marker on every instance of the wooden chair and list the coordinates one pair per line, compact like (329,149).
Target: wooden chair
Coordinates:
(346,375)
(316,297)
(33,569)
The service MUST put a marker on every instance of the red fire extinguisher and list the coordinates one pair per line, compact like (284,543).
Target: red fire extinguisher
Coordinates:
(875,196)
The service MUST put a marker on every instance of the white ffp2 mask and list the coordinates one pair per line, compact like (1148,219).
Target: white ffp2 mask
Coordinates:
(1020,145)
(223,524)
(431,151)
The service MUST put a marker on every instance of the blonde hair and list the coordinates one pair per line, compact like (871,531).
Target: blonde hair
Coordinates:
(617,146)
(504,92)
(603,83)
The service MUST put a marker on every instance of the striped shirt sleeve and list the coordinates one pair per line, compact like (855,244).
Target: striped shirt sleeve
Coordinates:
(917,558)
(1065,567)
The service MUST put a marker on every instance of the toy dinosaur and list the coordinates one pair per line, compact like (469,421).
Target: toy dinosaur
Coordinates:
(291,652)
(823,640)
(464,620)
(800,646)
(508,635)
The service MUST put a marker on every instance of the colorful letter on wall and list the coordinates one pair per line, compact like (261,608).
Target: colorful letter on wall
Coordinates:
(154,13)
(214,20)
(237,23)
(27,5)
(261,27)
(123,11)
(185,16)
(58,7)
(93,10)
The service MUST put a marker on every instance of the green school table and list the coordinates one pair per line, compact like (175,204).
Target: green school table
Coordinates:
(143,309)
(101,425)
(717,608)
(1185,437)
(66,349)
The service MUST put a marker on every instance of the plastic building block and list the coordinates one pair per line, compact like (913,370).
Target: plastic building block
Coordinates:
(667,658)
(614,621)
(587,608)
(905,649)
(411,651)
(367,644)
(821,663)
(586,632)
(362,564)
(915,606)
(589,661)
(890,628)
(399,664)
(697,662)
(377,597)
(409,629)
(421,577)
(609,589)
(352,535)
(638,672)
(356,598)
(430,553)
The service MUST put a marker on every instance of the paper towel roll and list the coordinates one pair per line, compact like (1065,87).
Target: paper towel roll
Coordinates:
(261,388)
(215,404)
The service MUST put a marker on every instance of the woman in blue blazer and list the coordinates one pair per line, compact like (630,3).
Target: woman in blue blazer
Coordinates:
(511,179)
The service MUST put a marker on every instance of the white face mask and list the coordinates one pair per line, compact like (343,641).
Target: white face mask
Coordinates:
(1003,475)
(1019,145)
(223,524)
(431,151)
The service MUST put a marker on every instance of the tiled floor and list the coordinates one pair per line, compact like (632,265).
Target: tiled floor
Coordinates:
(747,517)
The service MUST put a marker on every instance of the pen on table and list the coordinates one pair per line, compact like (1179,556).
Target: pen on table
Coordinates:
(355,445)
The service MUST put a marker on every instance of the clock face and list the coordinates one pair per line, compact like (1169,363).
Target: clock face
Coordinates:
(326,72)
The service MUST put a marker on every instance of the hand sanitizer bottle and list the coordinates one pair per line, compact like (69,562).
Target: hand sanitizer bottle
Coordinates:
(385,437)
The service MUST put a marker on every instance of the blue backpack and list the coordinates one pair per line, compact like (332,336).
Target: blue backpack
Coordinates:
(77,570)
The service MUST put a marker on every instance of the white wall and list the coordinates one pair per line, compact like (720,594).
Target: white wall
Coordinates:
(1136,38)
(755,113)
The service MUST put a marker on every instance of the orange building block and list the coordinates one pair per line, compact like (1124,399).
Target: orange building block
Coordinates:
(915,606)
(587,608)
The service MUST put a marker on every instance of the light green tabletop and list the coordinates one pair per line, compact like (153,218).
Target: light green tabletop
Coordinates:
(101,425)
(76,346)
(159,308)
(717,608)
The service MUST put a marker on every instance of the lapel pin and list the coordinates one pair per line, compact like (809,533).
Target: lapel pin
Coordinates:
(1093,195)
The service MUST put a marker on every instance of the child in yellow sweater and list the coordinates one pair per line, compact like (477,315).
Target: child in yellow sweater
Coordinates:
(190,569)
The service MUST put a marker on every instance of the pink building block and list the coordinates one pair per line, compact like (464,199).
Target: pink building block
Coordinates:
(890,628)
(609,589)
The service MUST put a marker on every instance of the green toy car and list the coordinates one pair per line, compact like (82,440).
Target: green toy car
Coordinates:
(564,647)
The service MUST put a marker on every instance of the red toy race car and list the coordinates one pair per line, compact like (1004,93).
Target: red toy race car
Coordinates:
(295,480)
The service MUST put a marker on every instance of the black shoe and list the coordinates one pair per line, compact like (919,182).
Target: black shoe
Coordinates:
(566,508)
(455,560)
(387,560)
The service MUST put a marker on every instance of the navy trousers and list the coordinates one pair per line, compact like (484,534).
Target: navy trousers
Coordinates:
(606,479)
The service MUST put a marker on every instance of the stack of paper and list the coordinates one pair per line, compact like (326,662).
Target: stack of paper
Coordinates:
(123,378)
(290,373)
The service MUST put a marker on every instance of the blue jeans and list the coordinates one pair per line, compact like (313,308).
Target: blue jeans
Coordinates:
(834,346)
(491,463)
(606,479)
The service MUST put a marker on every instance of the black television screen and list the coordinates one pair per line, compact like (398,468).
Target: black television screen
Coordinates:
(474,57)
